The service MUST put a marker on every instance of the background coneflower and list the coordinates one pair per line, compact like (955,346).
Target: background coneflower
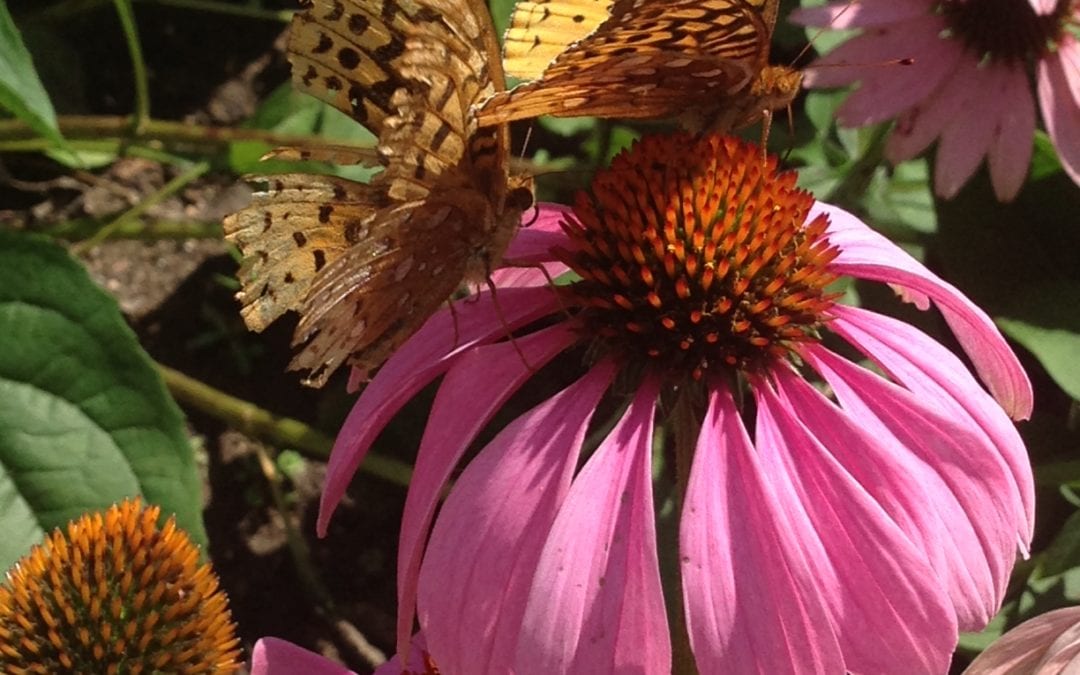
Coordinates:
(115,594)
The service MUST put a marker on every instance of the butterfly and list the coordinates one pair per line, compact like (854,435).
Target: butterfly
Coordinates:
(366,264)
(705,62)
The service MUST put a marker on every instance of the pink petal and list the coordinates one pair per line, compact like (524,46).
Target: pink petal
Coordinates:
(1044,6)
(1023,648)
(1010,153)
(934,374)
(865,254)
(885,605)
(597,605)
(415,662)
(272,656)
(915,497)
(485,377)
(747,591)
(924,122)
(421,359)
(845,15)
(1059,98)
(539,233)
(968,465)
(886,90)
(994,95)
(476,576)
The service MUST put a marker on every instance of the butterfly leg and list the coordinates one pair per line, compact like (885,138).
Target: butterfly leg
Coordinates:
(454,320)
(547,275)
(506,325)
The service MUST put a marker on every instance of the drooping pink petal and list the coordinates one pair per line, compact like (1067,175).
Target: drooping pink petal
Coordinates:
(416,662)
(924,122)
(476,575)
(1010,153)
(936,375)
(885,91)
(749,594)
(1032,647)
(865,254)
(486,377)
(887,608)
(846,15)
(969,466)
(995,95)
(535,239)
(597,605)
(1044,6)
(421,359)
(1059,98)
(912,494)
(273,656)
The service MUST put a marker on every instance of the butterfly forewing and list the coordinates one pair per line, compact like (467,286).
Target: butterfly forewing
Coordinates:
(695,59)
(412,71)
(540,30)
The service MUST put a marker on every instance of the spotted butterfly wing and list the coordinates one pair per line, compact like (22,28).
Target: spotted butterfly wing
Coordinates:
(441,212)
(704,61)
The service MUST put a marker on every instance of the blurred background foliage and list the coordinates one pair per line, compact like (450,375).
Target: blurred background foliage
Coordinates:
(128,125)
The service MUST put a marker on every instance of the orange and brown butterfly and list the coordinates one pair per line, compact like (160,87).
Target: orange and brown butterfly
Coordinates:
(366,264)
(705,62)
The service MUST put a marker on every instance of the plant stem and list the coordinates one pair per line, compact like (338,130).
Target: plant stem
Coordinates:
(169,189)
(138,64)
(192,137)
(276,430)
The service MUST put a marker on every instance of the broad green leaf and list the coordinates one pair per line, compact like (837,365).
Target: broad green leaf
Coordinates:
(84,417)
(21,91)
(1048,326)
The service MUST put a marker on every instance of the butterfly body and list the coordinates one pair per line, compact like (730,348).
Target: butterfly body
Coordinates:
(441,212)
(703,61)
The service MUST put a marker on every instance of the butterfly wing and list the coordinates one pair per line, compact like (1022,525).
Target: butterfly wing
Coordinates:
(648,60)
(446,181)
(295,226)
(541,30)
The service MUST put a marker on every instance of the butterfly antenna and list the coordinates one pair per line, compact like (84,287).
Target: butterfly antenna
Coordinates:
(821,31)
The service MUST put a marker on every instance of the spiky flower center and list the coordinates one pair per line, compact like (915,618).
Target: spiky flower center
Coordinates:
(1008,31)
(695,253)
(115,594)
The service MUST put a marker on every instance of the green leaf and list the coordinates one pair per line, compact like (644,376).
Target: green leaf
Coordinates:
(1048,326)
(21,91)
(85,419)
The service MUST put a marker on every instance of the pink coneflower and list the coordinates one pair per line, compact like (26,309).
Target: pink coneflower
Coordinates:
(969,87)
(1049,644)
(829,517)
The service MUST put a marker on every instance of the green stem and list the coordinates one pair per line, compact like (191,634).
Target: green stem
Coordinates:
(84,228)
(276,430)
(67,8)
(190,137)
(132,214)
(138,64)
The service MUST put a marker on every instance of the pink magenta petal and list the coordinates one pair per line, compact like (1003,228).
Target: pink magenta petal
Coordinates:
(272,656)
(887,608)
(1059,98)
(913,495)
(934,374)
(924,122)
(749,596)
(476,576)
(1023,648)
(539,233)
(969,466)
(597,605)
(995,97)
(421,359)
(865,254)
(1010,153)
(485,377)
(845,15)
